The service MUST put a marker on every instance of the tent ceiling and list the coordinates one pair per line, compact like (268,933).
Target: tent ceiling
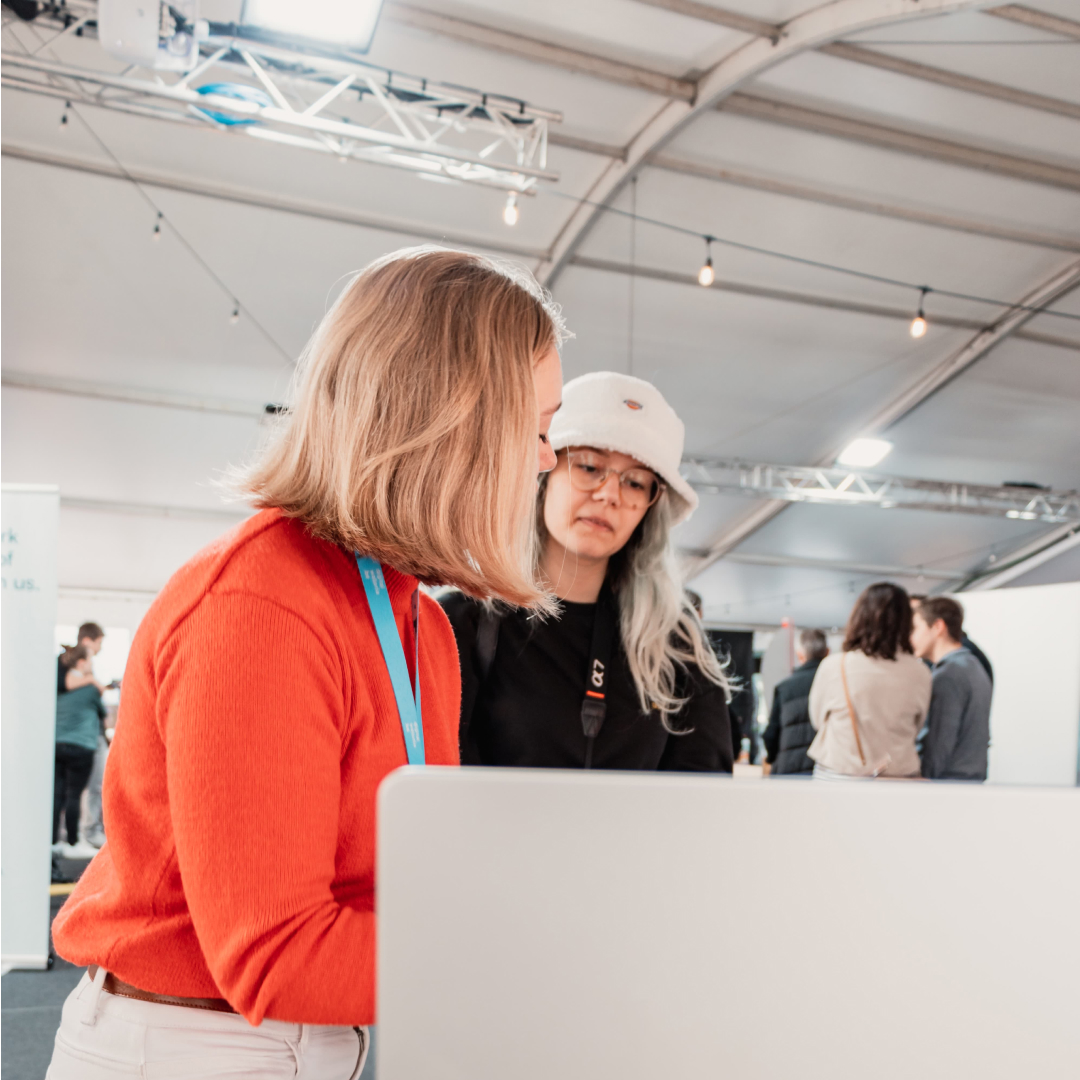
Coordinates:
(89,297)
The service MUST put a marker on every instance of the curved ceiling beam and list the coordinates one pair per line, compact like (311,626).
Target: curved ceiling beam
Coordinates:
(890,412)
(817,27)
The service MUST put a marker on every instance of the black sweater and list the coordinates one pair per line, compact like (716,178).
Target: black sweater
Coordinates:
(527,711)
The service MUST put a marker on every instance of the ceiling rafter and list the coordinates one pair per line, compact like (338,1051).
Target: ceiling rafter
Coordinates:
(131,395)
(1046,547)
(545,52)
(139,509)
(733,20)
(856,129)
(820,26)
(983,87)
(789,296)
(268,200)
(323,211)
(845,566)
(683,88)
(809,193)
(1039,20)
(900,405)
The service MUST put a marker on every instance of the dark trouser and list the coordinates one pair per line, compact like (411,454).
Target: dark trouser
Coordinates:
(73,767)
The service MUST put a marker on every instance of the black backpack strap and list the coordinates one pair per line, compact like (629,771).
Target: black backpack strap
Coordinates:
(487,639)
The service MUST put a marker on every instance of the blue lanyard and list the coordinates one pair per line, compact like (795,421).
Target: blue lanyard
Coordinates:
(412,724)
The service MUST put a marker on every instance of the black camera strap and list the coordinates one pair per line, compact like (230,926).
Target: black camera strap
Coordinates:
(594,704)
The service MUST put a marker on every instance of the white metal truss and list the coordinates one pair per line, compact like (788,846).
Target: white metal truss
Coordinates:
(845,487)
(339,106)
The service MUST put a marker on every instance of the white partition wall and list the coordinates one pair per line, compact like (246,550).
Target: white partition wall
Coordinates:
(536,924)
(28,521)
(1032,637)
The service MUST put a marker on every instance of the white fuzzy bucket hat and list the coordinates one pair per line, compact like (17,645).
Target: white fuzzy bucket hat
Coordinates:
(610,411)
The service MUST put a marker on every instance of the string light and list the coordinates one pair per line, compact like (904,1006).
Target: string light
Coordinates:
(799,260)
(177,235)
(156,235)
(706,275)
(918,324)
(64,116)
(510,210)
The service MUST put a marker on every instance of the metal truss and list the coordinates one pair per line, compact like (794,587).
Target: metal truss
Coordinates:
(339,106)
(843,487)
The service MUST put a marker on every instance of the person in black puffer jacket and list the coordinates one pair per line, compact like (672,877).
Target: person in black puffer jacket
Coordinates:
(790,733)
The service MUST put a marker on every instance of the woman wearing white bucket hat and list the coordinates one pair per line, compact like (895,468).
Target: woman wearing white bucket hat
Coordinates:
(623,677)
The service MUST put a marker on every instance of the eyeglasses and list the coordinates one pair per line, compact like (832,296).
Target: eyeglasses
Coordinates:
(638,488)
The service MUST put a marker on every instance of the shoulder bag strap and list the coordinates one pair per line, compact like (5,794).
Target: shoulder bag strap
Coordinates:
(851,710)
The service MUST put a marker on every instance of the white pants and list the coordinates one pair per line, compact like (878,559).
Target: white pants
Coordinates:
(103,1037)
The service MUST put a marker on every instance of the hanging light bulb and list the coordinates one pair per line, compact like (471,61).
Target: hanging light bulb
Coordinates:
(235,316)
(706,275)
(918,324)
(156,235)
(510,210)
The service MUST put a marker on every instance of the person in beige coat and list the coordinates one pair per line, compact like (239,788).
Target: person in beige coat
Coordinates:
(869,702)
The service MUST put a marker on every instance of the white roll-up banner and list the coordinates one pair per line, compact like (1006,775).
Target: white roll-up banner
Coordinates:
(29,517)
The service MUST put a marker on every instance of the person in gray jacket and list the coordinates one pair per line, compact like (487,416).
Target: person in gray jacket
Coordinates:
(957,734)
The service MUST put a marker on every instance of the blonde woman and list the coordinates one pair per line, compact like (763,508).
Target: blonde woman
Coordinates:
(623,677)
(228,924)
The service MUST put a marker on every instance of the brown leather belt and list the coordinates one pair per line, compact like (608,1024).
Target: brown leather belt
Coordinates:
(119,988)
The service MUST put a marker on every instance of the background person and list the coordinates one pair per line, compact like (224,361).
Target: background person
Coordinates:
(868,703)
(735,651)
(625,638)
(79,713)
(957,739)
(91,637)
(790,732)
(233,906)
(968,644)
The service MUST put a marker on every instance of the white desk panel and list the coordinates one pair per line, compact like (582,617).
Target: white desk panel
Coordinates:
(538,925)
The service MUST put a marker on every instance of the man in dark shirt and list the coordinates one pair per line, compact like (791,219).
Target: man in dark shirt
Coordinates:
(957,732)
(790,733)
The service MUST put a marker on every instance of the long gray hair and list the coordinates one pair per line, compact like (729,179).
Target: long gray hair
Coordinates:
(661,632)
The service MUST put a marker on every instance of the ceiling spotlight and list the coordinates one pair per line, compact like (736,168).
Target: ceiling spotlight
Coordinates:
(864,453)
(510,210)
(918,324)
(344,24)
(156,234)
(706,275)
(235,316)
(63,115)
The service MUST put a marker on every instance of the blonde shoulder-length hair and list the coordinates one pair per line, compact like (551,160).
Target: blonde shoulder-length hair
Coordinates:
(410,433)
(660,630)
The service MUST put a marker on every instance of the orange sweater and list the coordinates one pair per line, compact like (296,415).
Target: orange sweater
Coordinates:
(257,721)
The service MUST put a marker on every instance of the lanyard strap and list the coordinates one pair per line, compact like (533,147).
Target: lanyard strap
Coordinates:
(408,706)
(594,704)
